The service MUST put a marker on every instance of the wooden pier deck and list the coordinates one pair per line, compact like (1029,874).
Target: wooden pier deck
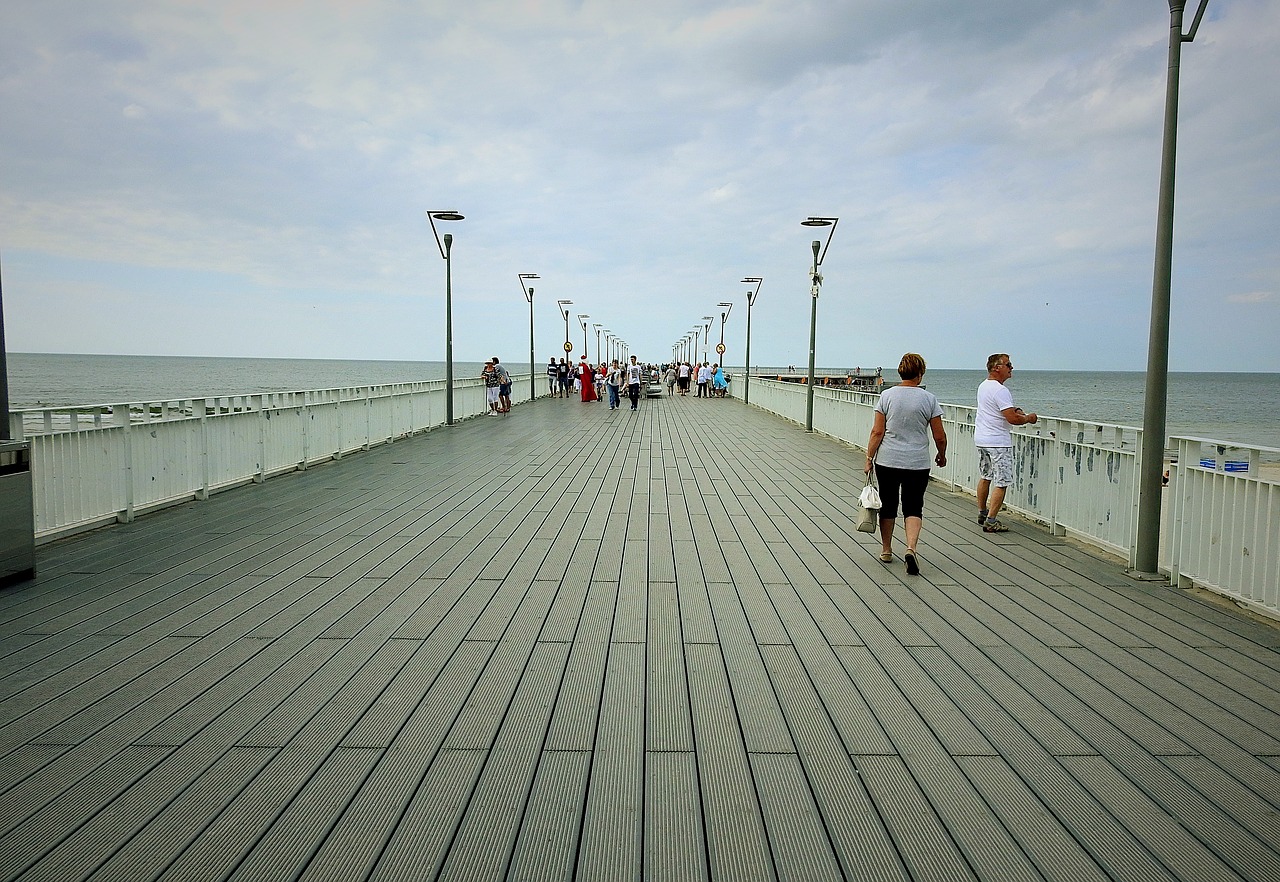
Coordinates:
(574,644)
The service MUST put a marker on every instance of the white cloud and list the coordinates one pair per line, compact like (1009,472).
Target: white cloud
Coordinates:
(1252,297)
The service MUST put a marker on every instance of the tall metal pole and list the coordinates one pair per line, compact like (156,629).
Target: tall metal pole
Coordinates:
(448,332)
(1146,560)
(816,284)
(725,308)
(563,306)
(813,336)
(445,248)
(4,376)
(528,295)
(751,300)
(533,390)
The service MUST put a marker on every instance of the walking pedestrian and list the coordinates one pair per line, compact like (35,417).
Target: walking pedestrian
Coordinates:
(553,377)
(613,380)
(566,377)
(898,449)
(994,440)
(634,375)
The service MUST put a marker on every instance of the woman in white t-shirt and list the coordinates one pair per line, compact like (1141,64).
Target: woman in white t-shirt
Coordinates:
(898,448)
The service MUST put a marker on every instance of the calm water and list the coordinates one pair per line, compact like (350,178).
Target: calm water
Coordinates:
(1239,407)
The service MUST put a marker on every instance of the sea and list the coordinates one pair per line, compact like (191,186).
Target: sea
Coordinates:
(1242,408)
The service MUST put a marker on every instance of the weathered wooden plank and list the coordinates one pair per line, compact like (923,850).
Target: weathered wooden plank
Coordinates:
(736,844)
(801,849)
(613,821)
(486,835)
(1185,855)
(1057,854)
(674,844)
(547,845)
(858,836)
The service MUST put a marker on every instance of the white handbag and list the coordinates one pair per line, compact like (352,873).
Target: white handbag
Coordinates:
(869,521)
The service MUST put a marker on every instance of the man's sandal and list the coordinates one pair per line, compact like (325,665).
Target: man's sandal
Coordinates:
(994,526)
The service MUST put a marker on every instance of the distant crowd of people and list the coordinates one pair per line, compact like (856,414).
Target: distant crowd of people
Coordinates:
(591,382)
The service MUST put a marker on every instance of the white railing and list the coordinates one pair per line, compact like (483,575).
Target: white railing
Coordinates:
(1221,526)
(98,464)
(1224,523)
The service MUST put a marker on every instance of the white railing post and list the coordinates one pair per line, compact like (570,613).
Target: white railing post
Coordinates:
(199,408)
(120,414)
(368,419)
(305,410)
(261,474)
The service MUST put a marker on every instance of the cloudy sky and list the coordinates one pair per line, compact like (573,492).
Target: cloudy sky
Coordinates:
(250,177)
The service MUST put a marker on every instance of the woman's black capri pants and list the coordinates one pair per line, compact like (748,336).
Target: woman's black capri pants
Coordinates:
(910,483)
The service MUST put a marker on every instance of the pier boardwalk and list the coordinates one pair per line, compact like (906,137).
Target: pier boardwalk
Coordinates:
(574,644)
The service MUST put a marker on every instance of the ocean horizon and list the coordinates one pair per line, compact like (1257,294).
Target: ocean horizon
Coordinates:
(1238,407)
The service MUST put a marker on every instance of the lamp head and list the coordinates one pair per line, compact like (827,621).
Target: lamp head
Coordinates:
(447,215)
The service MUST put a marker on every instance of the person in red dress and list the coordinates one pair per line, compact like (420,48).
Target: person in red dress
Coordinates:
(588,377)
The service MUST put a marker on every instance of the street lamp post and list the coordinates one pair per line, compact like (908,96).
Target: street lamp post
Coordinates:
(816,284)
(582,320)
(528,295)
(1146,558)
(597,326)
(563,306)
(706,334)
(751,299)
(445,252)
(725,308)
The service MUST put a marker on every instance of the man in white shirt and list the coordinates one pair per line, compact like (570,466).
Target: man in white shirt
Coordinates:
(635,373)
(994,440)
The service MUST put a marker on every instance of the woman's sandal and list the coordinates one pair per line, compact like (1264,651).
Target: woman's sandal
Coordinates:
(994,526)
(913,569)
(886,557)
